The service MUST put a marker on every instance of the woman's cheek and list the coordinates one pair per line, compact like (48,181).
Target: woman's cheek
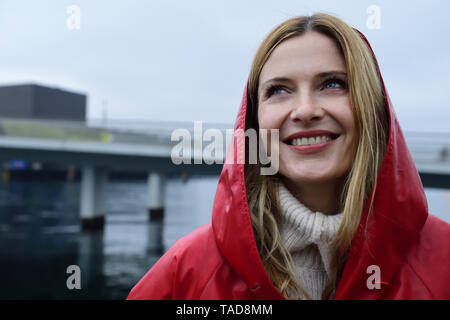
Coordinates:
(267,119)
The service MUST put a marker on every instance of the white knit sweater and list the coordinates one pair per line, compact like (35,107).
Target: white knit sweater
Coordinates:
(306,235)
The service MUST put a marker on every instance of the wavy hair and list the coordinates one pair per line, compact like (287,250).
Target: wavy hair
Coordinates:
(369,109)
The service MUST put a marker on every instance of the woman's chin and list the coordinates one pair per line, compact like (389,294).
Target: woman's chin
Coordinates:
(311,175)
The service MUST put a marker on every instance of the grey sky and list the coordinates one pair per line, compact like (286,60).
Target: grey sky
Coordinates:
(189,60)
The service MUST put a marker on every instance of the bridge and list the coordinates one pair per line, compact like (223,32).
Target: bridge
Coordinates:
(98,147)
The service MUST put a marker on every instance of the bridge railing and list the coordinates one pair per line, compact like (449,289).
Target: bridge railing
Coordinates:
(97,130)
(49,129)
(430,147)
(426,147)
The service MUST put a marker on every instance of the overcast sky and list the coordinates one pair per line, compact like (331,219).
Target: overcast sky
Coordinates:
(189,60)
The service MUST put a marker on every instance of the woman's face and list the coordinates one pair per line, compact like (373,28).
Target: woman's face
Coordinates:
(303,92)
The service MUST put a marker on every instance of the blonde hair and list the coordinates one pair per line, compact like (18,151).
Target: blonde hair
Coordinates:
(369,108)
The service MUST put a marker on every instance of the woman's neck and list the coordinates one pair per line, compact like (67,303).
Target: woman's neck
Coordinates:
(321,197)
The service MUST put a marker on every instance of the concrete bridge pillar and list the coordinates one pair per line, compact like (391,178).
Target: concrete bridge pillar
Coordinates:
(93,198)
(156,192)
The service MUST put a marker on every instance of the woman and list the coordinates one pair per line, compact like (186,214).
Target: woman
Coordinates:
(346,215)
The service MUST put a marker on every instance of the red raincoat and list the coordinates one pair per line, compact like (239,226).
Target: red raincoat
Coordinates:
(220,260)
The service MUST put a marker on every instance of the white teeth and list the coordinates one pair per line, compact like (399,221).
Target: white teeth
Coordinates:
(309,141)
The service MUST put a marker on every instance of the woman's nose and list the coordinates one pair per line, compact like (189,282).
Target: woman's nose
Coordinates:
(306,109)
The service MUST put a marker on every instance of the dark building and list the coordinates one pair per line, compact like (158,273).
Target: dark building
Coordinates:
(37,102)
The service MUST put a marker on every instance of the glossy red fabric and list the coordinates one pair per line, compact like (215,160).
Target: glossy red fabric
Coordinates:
(220,260)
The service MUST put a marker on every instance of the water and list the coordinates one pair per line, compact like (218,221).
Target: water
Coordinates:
(439,202)
(40,235)
(188,204)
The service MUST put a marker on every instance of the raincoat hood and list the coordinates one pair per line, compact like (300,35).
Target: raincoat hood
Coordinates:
(399,213)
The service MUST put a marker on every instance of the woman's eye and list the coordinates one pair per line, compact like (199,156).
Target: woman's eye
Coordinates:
(334,83)
(275,90)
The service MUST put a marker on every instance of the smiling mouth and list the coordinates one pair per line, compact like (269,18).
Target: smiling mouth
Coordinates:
(306,141)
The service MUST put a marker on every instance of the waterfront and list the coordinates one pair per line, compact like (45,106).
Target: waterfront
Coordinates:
(40,235)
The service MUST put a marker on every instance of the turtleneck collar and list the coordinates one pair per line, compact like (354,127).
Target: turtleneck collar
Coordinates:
(301,227)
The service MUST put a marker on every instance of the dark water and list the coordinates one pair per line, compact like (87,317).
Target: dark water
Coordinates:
(40,237)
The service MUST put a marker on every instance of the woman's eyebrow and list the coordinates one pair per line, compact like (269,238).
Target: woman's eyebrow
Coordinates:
(330,73)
